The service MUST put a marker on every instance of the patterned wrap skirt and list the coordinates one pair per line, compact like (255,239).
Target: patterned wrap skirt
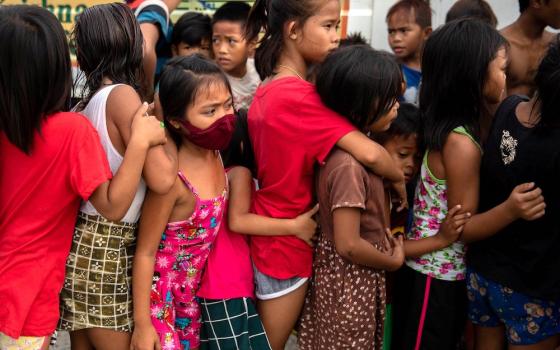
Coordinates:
(345,304)
(97,287)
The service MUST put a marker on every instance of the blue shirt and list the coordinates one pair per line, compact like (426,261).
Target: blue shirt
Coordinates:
(412,77)
(157,15)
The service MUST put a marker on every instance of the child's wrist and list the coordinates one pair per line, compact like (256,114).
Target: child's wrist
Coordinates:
(138,143)
(441,241)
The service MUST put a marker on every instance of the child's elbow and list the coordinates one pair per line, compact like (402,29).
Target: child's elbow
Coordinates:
(163,186)
(113,215)
(346,249)
(234,223)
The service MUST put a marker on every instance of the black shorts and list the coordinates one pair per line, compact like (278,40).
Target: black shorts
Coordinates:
(442,305)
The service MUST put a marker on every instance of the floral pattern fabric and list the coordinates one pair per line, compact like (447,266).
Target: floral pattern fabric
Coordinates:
(180,261)
(430,209)
(527,320)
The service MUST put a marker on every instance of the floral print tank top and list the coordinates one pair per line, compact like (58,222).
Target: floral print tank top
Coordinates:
(430,209)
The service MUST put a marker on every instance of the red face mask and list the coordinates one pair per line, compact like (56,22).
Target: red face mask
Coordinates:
(215,137)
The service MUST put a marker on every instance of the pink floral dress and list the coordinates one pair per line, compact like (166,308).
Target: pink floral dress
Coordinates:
(180,261)
(430,209)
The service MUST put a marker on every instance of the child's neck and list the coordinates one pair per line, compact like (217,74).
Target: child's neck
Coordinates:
(239,72)
(189,148)
(291,65)
(528,26)
(413,62)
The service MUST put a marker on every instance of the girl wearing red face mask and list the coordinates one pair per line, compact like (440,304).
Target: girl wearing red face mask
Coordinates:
(198,112)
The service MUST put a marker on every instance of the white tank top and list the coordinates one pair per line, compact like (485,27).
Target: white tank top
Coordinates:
(95,111)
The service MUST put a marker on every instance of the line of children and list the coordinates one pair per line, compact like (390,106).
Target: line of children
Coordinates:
(433,315)
(291,131)
(197,275)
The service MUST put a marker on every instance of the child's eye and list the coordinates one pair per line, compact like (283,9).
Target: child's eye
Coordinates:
(232,41)
(210,111)
(228,106)
(215,40)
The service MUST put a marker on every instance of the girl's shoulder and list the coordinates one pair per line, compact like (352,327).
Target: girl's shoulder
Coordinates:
(284,89)
(462,138)
(342,162)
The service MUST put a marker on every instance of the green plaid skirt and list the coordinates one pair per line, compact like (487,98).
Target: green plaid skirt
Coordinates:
(97,287)
(231,324)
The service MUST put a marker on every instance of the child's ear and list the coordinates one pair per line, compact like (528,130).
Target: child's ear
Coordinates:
(175,124)
(174,50)
(291,29)
(427,32)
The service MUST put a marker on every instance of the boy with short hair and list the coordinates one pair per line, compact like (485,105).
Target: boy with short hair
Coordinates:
(409,24)
(528,43)
(232,51)
(192,34)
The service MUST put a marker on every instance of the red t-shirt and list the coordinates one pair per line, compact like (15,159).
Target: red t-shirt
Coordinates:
(39,201)
(292,131)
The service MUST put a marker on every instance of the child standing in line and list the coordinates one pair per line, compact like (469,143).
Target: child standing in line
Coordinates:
(156,27)
(292,131)
(463,64)
(409,24)
(512,279)
(229,316)
(50,159)
(351,253)
(197,107)
(96,301)
(192,34)
(233,51)
(401,140)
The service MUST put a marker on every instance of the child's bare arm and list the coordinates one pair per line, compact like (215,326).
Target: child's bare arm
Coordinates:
(450,231)
(461,159)
(113,198)
(525,202)
(155,215)
(160,167)
(350,245)
(375,157)
(150,33)
(241,220)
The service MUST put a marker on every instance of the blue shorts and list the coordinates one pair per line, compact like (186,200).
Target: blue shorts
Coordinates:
(527,320)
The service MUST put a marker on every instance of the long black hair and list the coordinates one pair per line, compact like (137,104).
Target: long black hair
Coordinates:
(454,71)
(108,45)
(182,79)
(271,15)
(359,83)
(35,71)
(548,87)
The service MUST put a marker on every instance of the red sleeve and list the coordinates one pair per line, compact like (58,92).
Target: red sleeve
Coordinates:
(90,167)
(321,127)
